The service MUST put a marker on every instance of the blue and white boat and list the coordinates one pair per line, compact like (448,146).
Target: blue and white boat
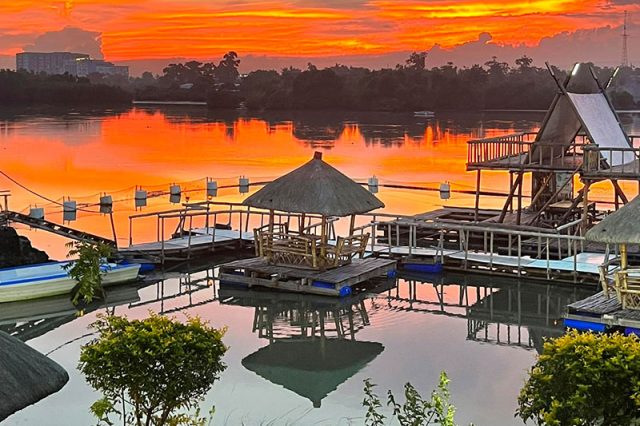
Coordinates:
(51,279)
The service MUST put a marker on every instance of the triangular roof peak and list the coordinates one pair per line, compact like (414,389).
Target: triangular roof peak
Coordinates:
(582,105)
(316,188)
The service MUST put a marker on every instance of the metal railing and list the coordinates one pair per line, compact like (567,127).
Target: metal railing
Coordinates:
(559,243)
(214,217)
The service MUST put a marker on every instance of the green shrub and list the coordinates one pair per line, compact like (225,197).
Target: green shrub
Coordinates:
(584,379)
(152,368)
(415,411)
(86,270)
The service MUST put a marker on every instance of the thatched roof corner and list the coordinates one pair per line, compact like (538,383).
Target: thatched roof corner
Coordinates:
(315,188)
(622,226)
(26,376)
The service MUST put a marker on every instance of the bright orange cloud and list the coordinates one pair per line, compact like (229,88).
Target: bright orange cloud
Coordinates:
(206,29)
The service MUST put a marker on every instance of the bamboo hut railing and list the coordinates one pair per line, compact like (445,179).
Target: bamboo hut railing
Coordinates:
(521,151)
(305,250)
(597,163)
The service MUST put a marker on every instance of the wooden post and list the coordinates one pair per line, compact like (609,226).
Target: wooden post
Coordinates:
(509,201)
(511,186)
(477,196)
(519,212)
(619,193)
(301,221)
(323,241)
(271,220)
(585,209)
(352,224)
(623,257)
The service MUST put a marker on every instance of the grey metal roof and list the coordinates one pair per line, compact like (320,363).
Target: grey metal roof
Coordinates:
(315,188)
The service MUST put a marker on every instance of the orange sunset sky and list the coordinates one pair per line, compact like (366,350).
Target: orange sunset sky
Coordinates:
(130,30)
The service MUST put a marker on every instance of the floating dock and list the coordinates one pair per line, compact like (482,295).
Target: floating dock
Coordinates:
(602,313)
(333,282)
(197,242)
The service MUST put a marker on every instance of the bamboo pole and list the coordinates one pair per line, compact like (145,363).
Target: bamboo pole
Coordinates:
(323,240)
(585,214)
(352,224)
(477,206)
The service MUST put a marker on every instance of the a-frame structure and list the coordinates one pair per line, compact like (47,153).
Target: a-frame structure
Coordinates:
(581,135)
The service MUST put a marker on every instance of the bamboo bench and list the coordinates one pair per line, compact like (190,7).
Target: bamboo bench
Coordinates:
(628,288)
(305,250)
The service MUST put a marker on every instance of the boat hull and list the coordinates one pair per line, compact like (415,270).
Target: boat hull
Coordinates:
(38,281)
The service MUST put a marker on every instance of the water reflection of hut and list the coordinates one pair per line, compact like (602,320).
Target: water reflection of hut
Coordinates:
(312,368)
(306,260)
(312,347)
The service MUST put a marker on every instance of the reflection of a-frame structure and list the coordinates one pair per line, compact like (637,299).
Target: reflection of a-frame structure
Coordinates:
(498,312)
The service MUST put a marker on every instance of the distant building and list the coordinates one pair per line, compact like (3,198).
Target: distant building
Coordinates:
(83,67)
(78,64)
(49,63)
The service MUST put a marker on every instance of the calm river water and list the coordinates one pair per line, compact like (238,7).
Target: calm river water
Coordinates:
(484,333)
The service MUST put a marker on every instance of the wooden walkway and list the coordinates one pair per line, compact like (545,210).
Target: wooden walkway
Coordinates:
(257,272)
(190,244)
(55,228)
(602,313)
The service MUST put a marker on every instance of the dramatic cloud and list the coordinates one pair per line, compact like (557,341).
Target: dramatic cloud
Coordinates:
(321,29)
(68,40)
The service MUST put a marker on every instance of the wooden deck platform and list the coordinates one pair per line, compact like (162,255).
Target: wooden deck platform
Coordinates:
(184,246)
(257,272)
(602,313)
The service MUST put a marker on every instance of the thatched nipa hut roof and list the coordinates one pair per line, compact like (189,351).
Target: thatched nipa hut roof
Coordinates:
(315,188)
(26,376)
(622,226)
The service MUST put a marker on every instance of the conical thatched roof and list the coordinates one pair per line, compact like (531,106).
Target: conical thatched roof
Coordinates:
(315,188)
(312,368)
(26,376)
(622,226)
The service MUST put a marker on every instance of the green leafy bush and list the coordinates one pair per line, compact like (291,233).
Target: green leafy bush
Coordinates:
(415,411)
(86,270)
(584,379)
(152,368)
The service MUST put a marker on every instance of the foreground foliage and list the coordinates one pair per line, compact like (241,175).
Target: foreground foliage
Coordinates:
(584,379)
(415,411)
(87,269)
(149,370)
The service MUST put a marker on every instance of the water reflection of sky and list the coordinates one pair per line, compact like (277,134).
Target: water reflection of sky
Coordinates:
(423,330)
(483,334)
(81,155)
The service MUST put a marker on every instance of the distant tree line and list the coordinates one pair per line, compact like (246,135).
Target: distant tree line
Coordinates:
(408,87)
(413,87)
(23,88)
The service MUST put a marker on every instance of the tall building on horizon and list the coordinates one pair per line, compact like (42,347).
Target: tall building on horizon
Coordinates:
(48,63)
(77,64)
